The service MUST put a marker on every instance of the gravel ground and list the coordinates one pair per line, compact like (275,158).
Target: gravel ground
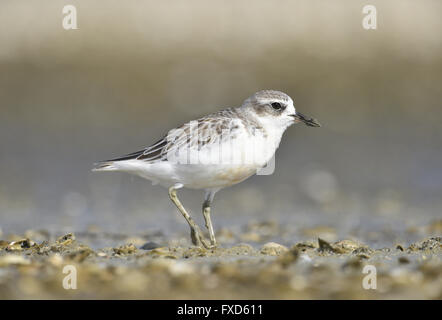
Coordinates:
(245,266)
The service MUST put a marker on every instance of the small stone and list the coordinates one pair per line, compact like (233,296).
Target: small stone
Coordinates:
(304,246)
(342,247)
(430,244)
(150,246)
(363,251)
(66,240)
(403,260)
(242,249)
(324,246)
(126,249)
(20,245)
(273,249)
(346,246)
(137,241)
(165,252)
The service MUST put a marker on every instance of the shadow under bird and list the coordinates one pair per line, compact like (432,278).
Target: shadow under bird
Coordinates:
(214,152)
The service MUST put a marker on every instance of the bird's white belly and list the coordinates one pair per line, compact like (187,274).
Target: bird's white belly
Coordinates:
(216,166)
(213,176)
(225,164)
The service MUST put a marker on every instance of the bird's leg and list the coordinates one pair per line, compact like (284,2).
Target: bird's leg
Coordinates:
(206,213)
(195,231)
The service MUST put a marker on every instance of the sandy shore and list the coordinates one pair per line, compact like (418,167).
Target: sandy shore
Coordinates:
(152,267)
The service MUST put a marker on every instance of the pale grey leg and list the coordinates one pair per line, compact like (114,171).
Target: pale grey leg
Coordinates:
(206,213)
(195,231)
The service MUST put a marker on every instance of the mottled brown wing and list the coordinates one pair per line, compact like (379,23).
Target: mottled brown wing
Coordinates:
(194,134)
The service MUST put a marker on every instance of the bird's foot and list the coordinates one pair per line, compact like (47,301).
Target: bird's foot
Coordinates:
(198,240)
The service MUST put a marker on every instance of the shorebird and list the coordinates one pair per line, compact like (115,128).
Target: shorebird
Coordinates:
(214,152)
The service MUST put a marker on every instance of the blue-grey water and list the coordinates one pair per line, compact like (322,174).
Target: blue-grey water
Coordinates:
(71,98)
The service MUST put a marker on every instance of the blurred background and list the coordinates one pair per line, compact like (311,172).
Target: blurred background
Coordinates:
(135,69)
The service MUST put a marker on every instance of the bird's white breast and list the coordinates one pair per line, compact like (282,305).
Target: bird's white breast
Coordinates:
(228,162)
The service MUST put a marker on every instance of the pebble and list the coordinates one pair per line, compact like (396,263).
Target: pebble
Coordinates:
(273,249)
(150,246)
(126,249)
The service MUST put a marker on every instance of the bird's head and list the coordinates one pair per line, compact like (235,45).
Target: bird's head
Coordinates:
(275,108)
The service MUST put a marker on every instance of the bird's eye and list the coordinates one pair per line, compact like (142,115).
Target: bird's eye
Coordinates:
(276,106)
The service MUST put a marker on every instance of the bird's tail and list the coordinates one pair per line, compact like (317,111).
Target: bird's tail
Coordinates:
(121,163)
(105,166)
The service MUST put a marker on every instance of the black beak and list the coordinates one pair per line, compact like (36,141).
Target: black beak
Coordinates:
(311,122)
